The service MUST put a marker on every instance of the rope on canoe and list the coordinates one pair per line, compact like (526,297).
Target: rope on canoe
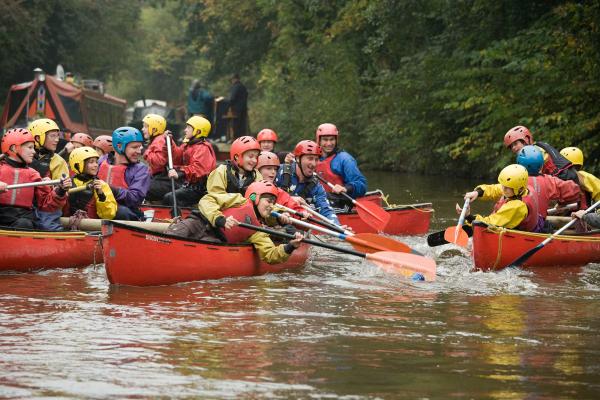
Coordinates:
(392,205)
(569,238)
(499,254)
(43,235)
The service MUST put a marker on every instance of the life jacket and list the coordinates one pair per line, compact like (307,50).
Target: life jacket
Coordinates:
(41,162)
(83,200)
(325,171)
(114,175)
(557,164)
(234,184)
(190,150)
(12,175)
(244,213)
(286,183)
(533,222)
(536,186)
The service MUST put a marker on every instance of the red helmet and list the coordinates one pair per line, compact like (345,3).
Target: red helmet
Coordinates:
(104,143)
(518,133)
(326,130)
(267,134)
(257,189)
(242,145)
(307,147)
(83,138)
(17,137)
(267,159)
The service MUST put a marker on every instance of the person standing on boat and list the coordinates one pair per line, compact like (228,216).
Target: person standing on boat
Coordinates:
(555,164)
(590,184)
(298,179)
(46,134)
(128,178)
(339,168)
(220,213)
(156,155)
(194,160)
(237,173)
(96,200)
(516,209)
(103,145)
(268,165)
(17,205)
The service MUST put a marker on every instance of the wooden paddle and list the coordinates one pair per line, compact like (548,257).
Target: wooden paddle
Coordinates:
(372,214)
(175,211)
(369,243)
(455,234)
(519,261)
(409,265)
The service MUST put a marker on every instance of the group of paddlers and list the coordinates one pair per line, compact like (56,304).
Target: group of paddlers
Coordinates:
(110,177)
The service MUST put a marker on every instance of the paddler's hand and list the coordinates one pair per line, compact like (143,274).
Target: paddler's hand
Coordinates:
(297,240)
(65,183)
(230,222)
(289,158)
(472,196)
(300,200)
(284,218)
(578,214)
(3,186)
(337,189)
(459,210)
(173,174)
(97,184)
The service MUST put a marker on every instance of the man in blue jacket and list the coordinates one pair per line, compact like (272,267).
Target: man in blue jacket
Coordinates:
(338,167)
(298,178)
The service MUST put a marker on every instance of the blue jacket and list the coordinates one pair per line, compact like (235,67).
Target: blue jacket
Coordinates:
(344,165)
(317,195)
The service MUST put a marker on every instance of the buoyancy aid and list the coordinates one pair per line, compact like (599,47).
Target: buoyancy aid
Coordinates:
(234,184)
(12,175)
(325,171)
(557,164)
(244,213)
(533,222)
(83,200)
(114,175)
(41,162)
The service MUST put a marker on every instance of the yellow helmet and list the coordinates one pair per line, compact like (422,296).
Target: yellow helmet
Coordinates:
(201,126)
(39,128)
(515,177)
(78,156)
(573,154)
(156,124)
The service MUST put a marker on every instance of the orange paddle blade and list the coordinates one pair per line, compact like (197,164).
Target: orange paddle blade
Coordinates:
(405,264)
(372,214)
(372,242)
(456,236)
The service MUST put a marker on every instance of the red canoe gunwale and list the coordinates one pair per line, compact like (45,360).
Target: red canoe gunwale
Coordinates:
(138,257)
(494,248)
(27,251)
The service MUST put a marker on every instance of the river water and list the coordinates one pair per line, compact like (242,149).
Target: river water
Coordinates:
(339,329)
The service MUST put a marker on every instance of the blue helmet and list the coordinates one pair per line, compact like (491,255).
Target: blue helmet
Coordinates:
(531,158)
(124,135)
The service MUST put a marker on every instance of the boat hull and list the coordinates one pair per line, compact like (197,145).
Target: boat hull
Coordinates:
(495,248)
(26,251)
(137,257)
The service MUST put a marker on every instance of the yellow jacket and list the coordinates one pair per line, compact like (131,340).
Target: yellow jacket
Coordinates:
(491,192)
(510,215)
(106,209)
(58,167)
(590,184)
(217,180)
(211,205)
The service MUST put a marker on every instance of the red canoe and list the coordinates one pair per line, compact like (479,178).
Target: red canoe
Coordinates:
(139,257)
(32,250)
(495,248)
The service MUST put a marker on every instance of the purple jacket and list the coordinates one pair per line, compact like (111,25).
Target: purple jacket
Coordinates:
(137,177)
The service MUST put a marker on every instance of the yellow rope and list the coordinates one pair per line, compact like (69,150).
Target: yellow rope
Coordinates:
(390,205)
(43,235)
(570,238)
(499,254)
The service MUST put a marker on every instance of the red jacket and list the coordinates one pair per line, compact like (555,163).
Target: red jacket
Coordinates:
(44,196)
(156,155)
(550,188)
(285,199)
(196,159)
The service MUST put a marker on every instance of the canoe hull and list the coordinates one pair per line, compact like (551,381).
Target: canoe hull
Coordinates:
(137,257)
(494,249)
(26,251)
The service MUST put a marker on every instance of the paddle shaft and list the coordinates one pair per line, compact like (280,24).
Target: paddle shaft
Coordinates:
(333,227)
(531,252)
(33,184)
(170,161)
(318,215)
(461,219)
(309,241)
(311,226)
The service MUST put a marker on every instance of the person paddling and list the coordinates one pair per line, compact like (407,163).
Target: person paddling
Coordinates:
(16,205)
(237,173)
(338,167)
(128,178)
(589,183)
(220,213)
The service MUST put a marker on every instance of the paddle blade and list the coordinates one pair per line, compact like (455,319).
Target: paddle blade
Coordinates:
(437,238)
(405,264)
(519,261)
(372,242)
(372,214)
(456,236)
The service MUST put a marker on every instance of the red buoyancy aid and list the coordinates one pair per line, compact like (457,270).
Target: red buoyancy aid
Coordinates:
(530,222)
(242,213)
(324,170)
(18,197)
(114,175)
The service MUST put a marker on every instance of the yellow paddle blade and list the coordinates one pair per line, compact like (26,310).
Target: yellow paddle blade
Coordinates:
(456,236)
(406,264)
